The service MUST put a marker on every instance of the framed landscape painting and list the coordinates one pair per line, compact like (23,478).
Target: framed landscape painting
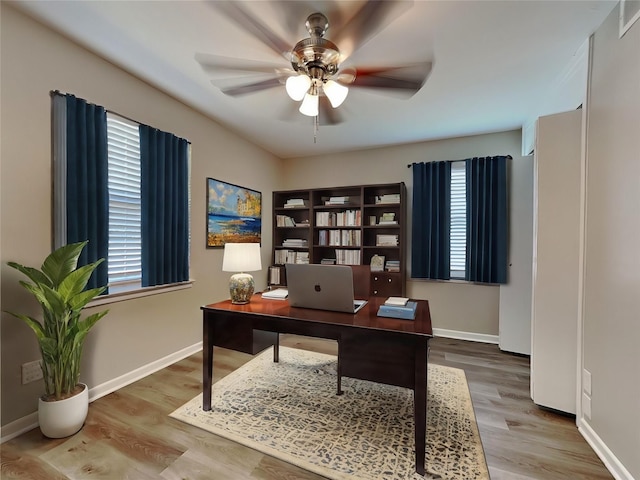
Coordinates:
(234,214)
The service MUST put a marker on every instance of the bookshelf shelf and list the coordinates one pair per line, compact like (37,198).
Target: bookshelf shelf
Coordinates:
(354,214)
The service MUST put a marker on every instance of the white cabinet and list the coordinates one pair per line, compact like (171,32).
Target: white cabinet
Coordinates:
(556,244)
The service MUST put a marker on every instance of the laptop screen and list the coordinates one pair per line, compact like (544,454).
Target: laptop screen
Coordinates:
(323,287)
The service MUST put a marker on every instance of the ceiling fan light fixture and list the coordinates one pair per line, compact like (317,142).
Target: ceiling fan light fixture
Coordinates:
(297,86)
(335,92)
(309,105)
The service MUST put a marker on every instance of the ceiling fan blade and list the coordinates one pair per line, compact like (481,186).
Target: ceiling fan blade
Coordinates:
(216,63)
(236,12)
(406,80)
(370,19)
(244,89)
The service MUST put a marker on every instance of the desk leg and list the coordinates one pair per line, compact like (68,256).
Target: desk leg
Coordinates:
(339,371)
(276,349)
(420,405)
(207,361)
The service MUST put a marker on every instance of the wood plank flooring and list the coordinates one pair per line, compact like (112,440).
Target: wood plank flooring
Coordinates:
(128,434)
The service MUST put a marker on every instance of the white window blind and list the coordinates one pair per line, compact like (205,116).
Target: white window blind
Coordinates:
(458,253)
(123,144)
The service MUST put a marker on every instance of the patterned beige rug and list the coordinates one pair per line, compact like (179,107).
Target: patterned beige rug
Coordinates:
(290,410)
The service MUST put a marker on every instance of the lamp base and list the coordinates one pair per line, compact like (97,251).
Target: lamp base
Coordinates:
(241,287)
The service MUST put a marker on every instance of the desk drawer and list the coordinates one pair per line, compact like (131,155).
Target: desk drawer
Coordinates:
(386,284)
(234,334)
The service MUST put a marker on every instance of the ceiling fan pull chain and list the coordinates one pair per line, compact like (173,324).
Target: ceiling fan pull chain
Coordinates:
(315,128)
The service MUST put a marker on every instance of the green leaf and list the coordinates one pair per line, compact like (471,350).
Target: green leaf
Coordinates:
(80,301)
(34,324)
(62,262)
(76,281)
(35,275)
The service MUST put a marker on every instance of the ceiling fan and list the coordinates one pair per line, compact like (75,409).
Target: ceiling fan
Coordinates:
(317,75)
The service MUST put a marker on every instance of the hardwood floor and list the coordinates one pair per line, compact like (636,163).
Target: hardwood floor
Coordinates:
(128,434)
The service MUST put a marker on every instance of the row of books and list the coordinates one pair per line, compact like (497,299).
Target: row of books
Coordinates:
(287,221)
(348,257)
(290,256)
(344,238)
(348,218)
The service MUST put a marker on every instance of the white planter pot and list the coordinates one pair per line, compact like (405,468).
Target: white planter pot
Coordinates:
(63,418)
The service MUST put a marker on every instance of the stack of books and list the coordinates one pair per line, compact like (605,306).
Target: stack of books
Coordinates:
(328,261)
(392,266)
(337,201)
(388,198)
(398,307)
(295,203)
(386,240)
(295,243)
(388,219)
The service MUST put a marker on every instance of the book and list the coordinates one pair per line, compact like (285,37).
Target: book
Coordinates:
(277,294)
(408,312)
(396,301)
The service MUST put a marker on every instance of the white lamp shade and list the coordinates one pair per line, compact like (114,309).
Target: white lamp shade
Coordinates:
(297,86)
(241,257)
(335,92)
(309,105)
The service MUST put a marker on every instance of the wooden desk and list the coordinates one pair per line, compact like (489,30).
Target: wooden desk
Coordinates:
(378,349)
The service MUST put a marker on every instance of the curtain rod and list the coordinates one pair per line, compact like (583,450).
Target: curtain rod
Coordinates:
(58,92)
(509,157)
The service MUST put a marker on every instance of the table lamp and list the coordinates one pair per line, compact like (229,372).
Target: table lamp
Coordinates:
(241,258)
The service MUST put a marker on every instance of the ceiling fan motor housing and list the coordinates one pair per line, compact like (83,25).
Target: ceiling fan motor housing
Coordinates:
(316,54)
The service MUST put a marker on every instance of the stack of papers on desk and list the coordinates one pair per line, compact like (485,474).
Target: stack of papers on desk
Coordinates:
(277,294)
(396,301)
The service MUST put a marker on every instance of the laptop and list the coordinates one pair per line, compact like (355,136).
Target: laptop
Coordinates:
(322,287)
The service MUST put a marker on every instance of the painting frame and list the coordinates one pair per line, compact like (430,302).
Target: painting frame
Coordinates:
(234,214)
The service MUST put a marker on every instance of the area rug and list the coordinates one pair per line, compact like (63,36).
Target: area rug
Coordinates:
(290,410)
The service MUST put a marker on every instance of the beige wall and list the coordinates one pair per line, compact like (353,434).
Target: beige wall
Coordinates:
(454,306)
(135,332)
(611,325)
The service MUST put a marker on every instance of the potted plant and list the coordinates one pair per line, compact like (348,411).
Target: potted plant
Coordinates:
(59,287)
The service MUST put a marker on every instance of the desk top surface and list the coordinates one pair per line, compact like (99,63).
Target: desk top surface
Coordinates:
(366,318)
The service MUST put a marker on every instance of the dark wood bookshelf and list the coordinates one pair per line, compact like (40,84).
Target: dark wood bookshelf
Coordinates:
(337,225)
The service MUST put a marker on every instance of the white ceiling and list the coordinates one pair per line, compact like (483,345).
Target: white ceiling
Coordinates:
(494,62)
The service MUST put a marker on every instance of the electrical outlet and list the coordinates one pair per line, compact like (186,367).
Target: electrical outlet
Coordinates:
(586,406)
(586,381)
(31,371)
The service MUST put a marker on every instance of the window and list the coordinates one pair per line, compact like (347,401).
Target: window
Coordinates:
(108,191)
(458,221)
(125,252)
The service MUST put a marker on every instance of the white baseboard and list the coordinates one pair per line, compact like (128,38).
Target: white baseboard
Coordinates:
(112,385)
(615,467)
(29,422)
(19,426)
(473,337)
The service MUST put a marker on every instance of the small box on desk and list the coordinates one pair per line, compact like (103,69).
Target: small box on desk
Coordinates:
(407,312)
